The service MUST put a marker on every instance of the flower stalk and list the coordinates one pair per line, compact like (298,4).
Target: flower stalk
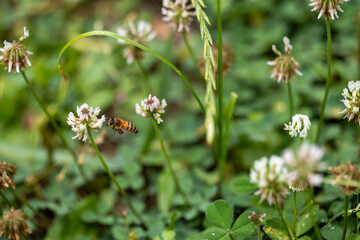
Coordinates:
(112,177)
(54,124)
(145,78)
(295,211)
(173,174)
(291,104)
(313,217)
(221,150)
(25,202)
(282,219)
(346,207)
(191,52)
(328,80)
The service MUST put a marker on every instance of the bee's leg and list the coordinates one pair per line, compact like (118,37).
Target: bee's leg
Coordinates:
(120,131)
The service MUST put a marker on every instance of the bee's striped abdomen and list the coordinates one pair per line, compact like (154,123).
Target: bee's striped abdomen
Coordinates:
(118,125)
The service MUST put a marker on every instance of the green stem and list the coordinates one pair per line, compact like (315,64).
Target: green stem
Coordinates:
(221,159)
(177,184)
(357,218)
(316,227)
(328,80)
(129,41)
(291,104)
(25,202)
(282,219)
(192,55)
(7,200)
(258,231)
(112,177)
(295,212)
(345,216)
(145,78)
(54,124)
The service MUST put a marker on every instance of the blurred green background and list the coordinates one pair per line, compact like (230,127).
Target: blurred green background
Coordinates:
(98,75)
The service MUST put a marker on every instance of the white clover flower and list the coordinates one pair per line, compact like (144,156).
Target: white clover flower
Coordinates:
(178,13)
(285,66)
(328,8)
(86,117)
(151,107)
(15,56)
(305,163)
(140,34)
(270,176)
(351,101)
(300,125)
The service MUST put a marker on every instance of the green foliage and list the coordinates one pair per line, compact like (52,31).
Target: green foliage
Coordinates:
(220,214)
(255,110)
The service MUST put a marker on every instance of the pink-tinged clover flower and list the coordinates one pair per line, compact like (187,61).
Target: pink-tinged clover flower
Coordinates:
(86,117)
(15,56)
(256,219)
(151,107)
(285,66)
(327,8)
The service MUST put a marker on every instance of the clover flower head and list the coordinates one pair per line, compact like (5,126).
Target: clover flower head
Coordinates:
(7,172)
(86,117)
(151,107)
(285,66)
(300,125)
(270,175)
(15,56)
(179,14)
(304,163)
(352,101)
(344,175)
(256,219)
(328,8)
(13,224)
(141,33)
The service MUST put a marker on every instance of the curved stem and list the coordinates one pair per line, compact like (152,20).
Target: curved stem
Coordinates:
(282,219)
(258,231)
(346,207)
(328,80)
(221,159)
(291,104)
(177,184)
(192,55)
(54,124)
(295,212)
(112,177)
(25,202)
(145,78)
(129,41)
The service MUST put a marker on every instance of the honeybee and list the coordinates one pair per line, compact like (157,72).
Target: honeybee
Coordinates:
(118,125)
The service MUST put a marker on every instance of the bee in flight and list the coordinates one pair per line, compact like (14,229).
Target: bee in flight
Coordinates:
(118,125)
